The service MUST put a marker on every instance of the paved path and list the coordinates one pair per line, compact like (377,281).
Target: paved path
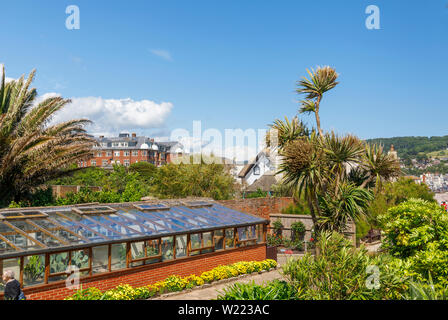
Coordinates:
(211,292)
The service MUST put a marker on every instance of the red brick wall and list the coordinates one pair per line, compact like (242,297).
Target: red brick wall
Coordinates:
(262,207)
(149,274)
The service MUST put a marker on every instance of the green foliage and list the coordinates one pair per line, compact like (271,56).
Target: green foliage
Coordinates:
(257,194)
(34,268)
(274,290)
(33,151)
(300,207)
(277,226)
(83,177)
(412,146)
(426,291)
(417,232)
(339,272)
(298,230)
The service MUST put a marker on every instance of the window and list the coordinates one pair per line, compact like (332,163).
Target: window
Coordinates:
(127,163)
(126,153)
(230,241)
(167,248)
(260,233)
(109,154)
(99,154)
(115,144)
(58,266)
(80,259)
(104,144)
(33,270)
(201,243)
(105,163)
(144,153)
(246,235)
(118,256)
(93,163)
(219,239)
(145,252)
(181,246)
(100,259)
(117,153)
(256,170)
(135,153)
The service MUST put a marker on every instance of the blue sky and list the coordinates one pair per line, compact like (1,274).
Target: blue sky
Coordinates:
(234,64)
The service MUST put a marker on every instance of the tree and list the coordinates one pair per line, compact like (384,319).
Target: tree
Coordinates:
(321,81)
(378,165)
(287,131)
(31,151)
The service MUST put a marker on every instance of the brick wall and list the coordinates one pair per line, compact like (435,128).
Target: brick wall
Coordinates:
(149,274)
(262,207)
(60,191)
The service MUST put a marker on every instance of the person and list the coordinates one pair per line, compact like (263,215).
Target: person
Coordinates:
(12,289)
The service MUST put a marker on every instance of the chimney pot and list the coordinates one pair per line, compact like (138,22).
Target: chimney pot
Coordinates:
(134,135)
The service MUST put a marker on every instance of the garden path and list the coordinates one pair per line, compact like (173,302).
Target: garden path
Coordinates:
(211,292)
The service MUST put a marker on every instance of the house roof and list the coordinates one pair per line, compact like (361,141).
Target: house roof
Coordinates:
(251,163)
(264,183)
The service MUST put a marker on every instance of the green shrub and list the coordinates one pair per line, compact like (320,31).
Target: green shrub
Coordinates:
(340,272)
(274,290)
(278,227)
(417,232)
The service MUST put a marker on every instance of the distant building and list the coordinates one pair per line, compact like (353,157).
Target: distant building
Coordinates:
(126,150)
(260,173)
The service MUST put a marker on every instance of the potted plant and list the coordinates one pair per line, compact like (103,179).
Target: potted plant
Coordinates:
(278,227)
(298,231)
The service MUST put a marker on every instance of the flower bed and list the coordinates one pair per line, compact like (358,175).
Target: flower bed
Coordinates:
(174,283)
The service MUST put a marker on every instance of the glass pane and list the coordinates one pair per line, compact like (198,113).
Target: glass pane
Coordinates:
(219,239)
(207,238)
(229,238)
(252,232)
(118,256)
(33,270)
(100,259)
(36,233)
(17,239)
(152,248)
(5,248)
(259,233)
(196,240)
(57,231)
(58,263)
(80,259)
(137,250)
(167,248)
(75,227)
(181,246)
(11,264)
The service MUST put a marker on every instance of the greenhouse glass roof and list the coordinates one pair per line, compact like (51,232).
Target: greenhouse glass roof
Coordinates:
(31,230)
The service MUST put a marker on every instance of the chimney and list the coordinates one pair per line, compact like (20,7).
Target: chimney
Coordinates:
(152,140)
(101,137)
(134,135)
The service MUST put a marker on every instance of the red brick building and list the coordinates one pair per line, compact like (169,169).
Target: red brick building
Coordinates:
(126,150)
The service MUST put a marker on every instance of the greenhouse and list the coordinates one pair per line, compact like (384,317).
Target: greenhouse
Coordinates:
(42,245)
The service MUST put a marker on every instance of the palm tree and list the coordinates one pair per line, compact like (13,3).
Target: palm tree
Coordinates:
(378,165)
(321,81)
(343,203)
(342,153)
(304,169)
(285,131)
(32,151)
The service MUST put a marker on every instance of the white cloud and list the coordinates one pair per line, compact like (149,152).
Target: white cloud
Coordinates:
(110,116)
(164,54)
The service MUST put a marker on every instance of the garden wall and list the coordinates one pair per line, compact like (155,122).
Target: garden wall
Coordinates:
(144,275)
(261,207)
(288,219)
(60,191)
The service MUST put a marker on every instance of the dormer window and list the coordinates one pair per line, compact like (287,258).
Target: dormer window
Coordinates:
(256,170)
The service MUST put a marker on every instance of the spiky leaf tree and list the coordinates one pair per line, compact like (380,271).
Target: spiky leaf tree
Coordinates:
(321,80)
(32,151)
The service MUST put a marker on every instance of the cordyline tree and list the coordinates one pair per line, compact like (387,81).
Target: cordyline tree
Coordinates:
(31,151)
(320,166)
